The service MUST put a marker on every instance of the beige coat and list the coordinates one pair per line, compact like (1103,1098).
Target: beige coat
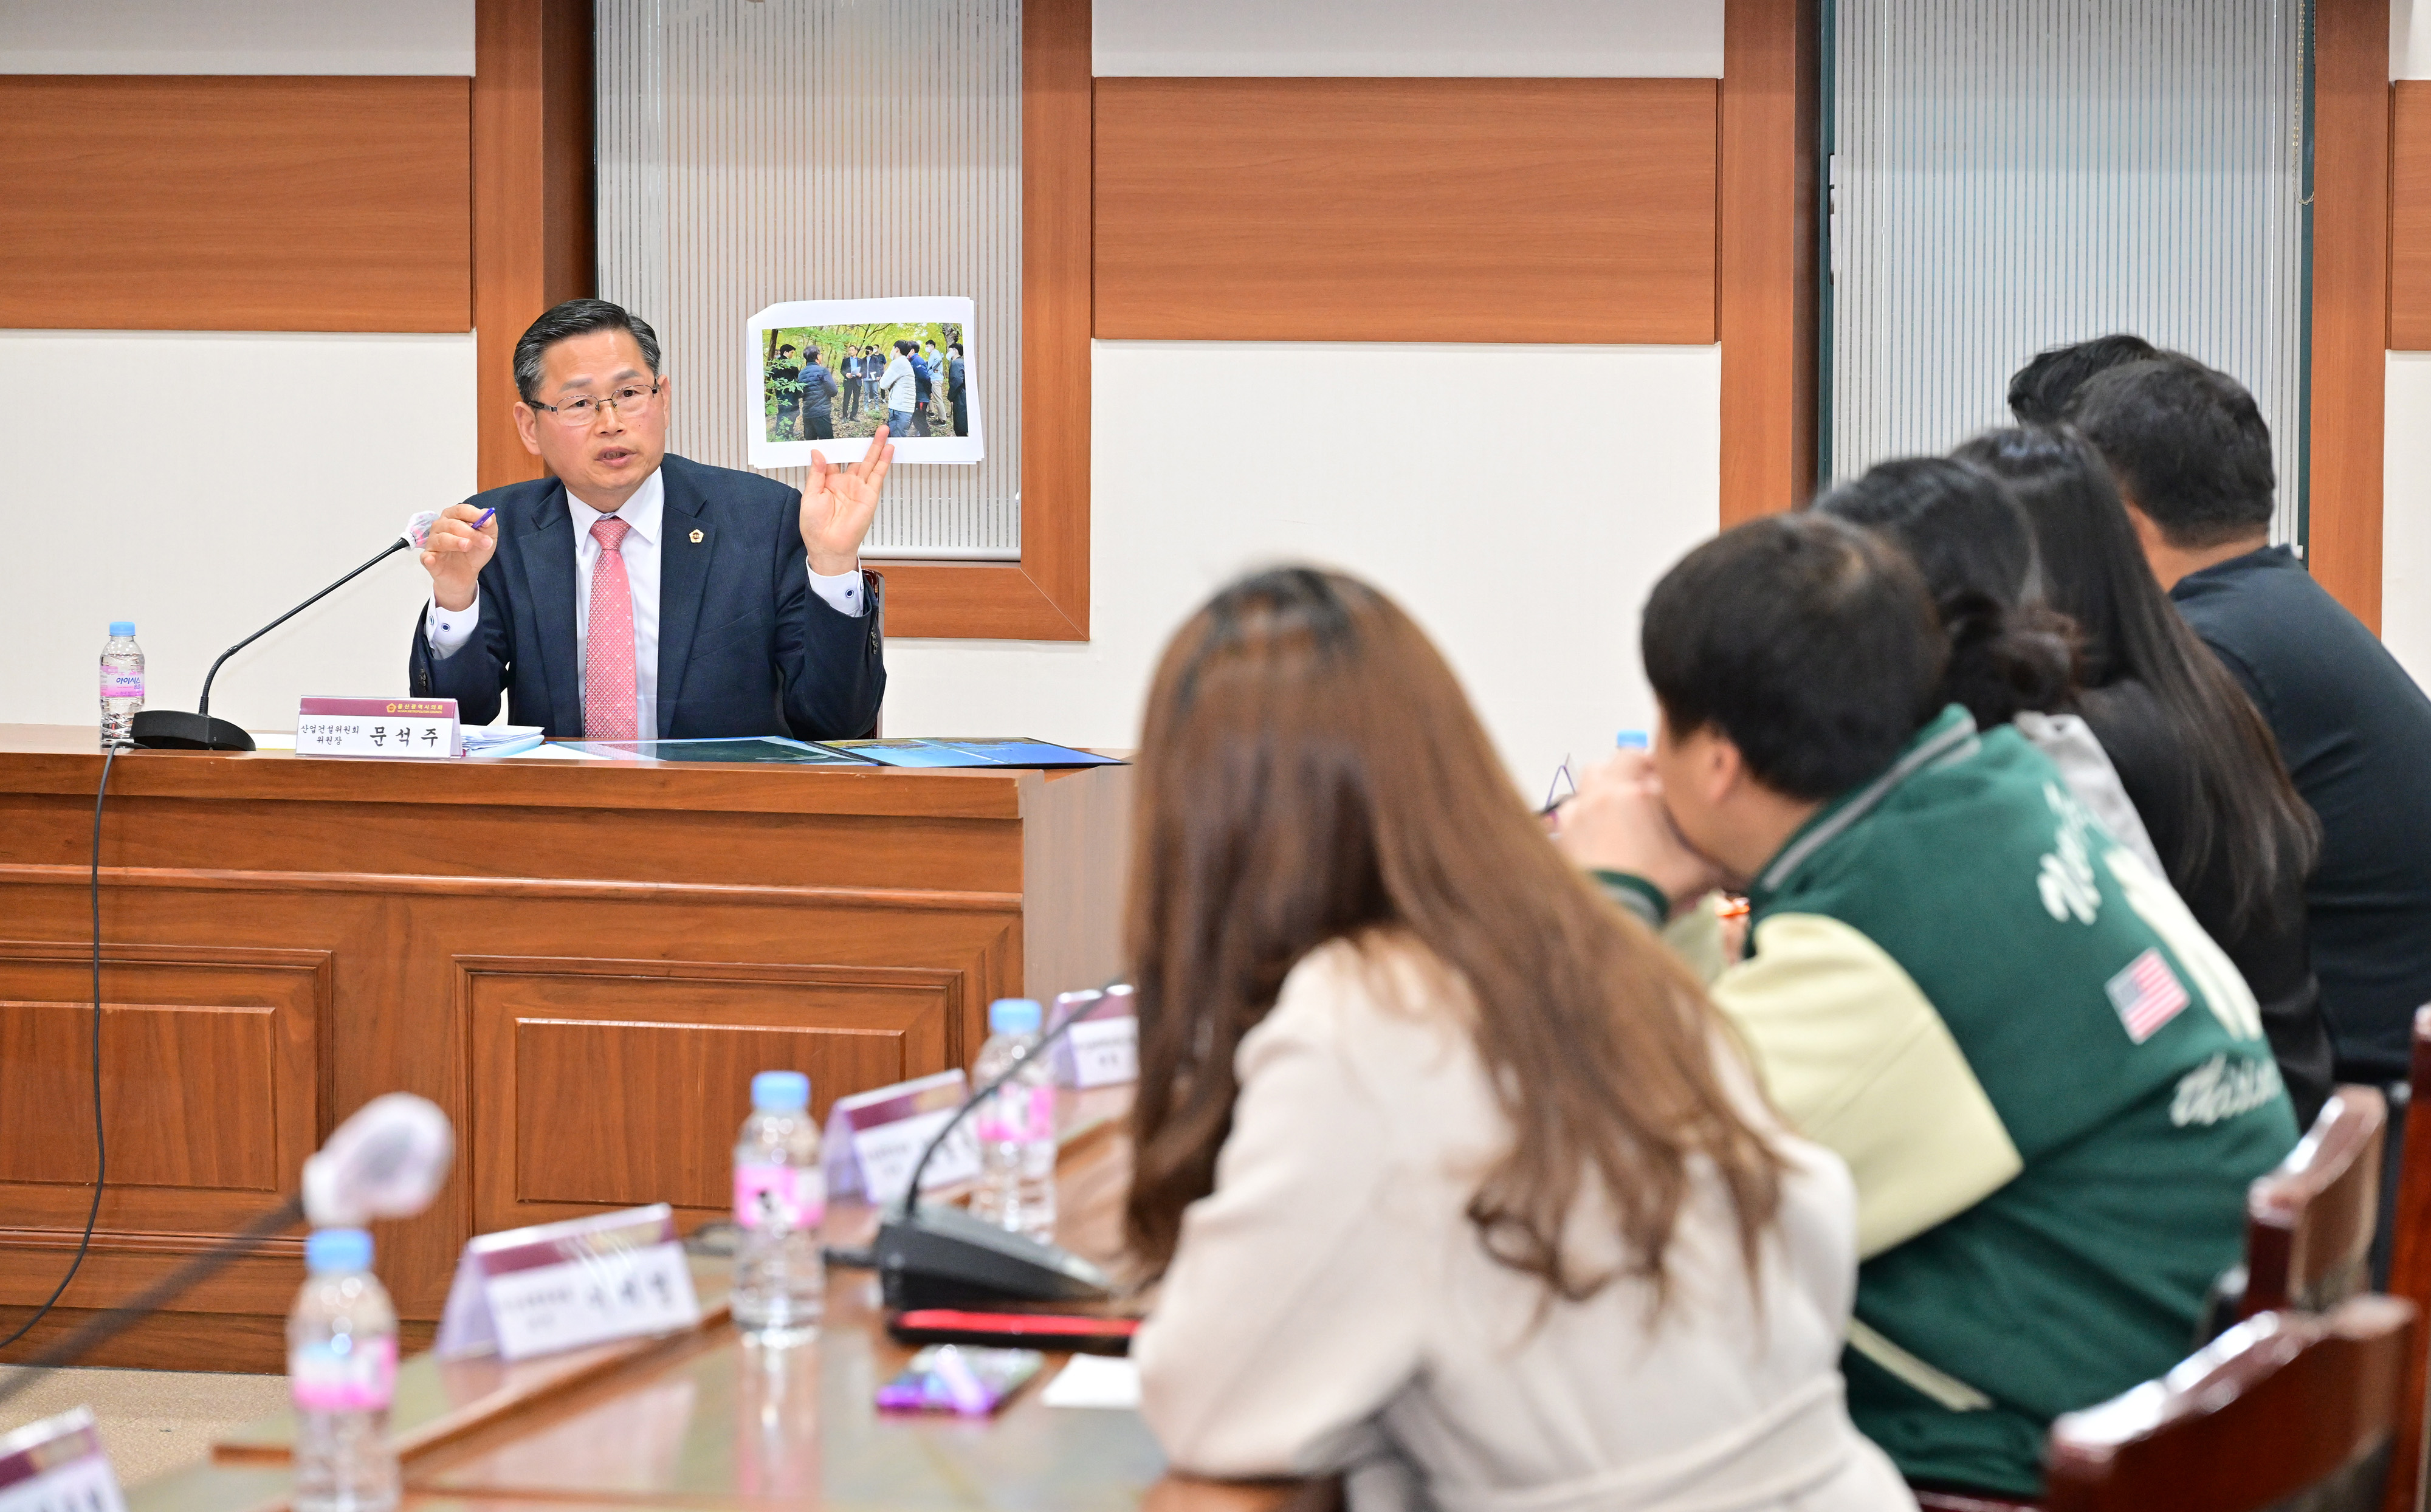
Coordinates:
(1329,1306)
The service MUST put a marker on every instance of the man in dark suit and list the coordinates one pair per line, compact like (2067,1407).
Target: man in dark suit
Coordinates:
(638,596)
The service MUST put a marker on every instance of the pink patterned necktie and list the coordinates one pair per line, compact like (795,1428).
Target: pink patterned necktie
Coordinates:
(607,706)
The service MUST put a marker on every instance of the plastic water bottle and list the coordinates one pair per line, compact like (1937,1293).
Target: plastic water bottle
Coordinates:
(122,686)
(342,1374)
(1016,1127)
(781,1199)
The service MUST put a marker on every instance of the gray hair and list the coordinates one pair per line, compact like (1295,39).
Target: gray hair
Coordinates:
(576,317)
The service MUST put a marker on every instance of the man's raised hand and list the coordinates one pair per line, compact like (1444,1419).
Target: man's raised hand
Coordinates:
(455,553)
(838,503)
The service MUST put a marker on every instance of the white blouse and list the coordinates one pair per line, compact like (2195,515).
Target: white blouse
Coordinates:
(1329,1307)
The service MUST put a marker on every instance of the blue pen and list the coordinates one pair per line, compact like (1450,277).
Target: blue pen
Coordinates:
(484,519)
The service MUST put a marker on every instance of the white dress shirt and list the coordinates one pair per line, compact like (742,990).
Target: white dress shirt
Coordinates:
(449,629)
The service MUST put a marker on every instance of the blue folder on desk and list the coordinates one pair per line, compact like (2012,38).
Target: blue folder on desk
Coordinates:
(993,751)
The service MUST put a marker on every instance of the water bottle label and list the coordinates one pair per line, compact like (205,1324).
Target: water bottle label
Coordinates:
(1015,1114)
(779,1196)
(122,684)
(343,1375)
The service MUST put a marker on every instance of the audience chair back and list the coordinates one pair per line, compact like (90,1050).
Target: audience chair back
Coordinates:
(2309,1224)
(2283,1405)
(2410,1273)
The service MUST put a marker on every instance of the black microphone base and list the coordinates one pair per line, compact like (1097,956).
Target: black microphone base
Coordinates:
(944,1257)
(176,730)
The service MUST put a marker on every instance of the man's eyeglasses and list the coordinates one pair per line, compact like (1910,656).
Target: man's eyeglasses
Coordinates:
(631,401)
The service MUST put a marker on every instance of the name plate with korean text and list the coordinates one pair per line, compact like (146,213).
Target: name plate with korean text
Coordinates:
(875,1137)
(1103,1049)
(415,728)
(57,1466)
(526,1292)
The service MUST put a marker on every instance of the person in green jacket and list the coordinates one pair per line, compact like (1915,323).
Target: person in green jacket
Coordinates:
(2052,1086)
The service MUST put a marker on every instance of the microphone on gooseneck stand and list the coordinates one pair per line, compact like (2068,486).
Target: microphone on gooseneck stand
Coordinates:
(938,1255)
(386,1162)
(176,730)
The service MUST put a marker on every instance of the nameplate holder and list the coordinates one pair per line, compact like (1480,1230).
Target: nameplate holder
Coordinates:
(874,1138)
(1103,1049)
(56,1465)
(410,728)
(527,1292)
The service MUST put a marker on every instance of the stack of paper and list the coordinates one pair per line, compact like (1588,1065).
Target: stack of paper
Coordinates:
(500,740)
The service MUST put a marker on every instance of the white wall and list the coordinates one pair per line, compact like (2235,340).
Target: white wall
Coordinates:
(2406,515)
(2409,39)
(235,37)
(1526,554)
(1542,39)
(200,483)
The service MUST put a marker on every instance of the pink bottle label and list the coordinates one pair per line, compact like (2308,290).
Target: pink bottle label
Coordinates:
(1012,1115)
(122,684)
(770,1196)
(343,1375)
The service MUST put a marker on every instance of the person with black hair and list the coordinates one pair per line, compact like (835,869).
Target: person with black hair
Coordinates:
(2191,454)
(957,374)
(786,382)
(2193,755)
(2040,392)
(817,396)
(2051,1085)
(2012,660)
(634,595)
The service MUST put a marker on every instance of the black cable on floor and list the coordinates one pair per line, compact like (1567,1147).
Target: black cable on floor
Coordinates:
(100,1147)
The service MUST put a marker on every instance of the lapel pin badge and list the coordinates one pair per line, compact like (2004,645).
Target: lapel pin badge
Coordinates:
(695,538)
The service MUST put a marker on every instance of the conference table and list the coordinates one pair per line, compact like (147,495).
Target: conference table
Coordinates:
(702,1421)
(581,962)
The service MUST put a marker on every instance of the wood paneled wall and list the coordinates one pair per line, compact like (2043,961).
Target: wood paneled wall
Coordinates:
(2350,109)
(1771,115)
(534,227)
(1455,209)
(166,203)
(2409,217)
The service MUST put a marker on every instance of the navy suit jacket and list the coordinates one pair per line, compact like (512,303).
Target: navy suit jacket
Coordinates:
(744,646)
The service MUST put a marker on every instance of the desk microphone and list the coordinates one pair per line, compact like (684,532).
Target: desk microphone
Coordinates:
(937,1255)
(176,730)
(386,1162)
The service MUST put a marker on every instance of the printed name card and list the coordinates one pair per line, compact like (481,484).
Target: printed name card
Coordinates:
(1103,1049)
(555,1287)
(420,728)
(57,1466)
(875,1137)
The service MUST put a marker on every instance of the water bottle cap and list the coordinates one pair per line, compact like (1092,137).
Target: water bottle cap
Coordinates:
(1631,740)
(331,1250)
(1016,1015)
(121,627)
(780,1092)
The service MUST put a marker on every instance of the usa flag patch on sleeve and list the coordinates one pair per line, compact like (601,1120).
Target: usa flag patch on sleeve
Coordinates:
(2147,995)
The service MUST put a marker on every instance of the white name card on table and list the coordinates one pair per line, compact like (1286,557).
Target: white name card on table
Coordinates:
(419,728)
(875,1137)
(57,1466)
(1103,1049)
(527,1292)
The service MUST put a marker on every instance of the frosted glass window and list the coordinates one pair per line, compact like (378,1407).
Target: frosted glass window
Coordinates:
(752,151)
(2012,177)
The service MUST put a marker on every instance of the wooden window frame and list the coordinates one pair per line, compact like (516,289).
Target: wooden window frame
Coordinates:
(534,236)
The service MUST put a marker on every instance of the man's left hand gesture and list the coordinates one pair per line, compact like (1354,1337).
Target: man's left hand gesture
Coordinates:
(838,504)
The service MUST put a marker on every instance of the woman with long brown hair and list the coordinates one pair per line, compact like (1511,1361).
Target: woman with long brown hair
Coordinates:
(1451,1175)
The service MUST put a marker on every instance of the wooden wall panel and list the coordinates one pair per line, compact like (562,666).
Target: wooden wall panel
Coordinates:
(180,203)
(1044,596)
(2410,216)
(2351,193)
(547,1035)
(1771,112)
(533,197)
(1459,210)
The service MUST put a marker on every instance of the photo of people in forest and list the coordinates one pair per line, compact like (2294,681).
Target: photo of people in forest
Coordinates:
(825,383)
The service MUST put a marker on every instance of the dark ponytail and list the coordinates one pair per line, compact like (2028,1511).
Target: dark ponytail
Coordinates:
(2241,808)
(2009,652)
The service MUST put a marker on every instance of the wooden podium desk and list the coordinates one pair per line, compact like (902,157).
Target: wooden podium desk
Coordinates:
(583,963)
(702,1421)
